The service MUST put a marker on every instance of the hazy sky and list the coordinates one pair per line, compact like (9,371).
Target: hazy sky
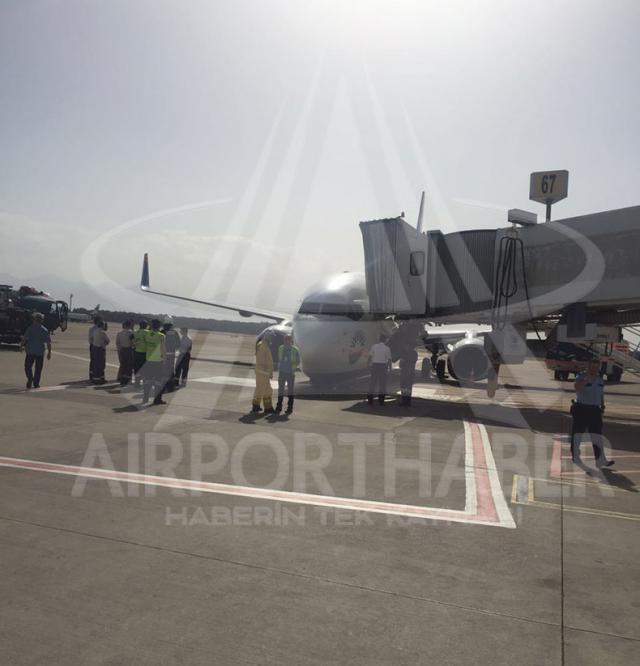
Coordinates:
(240,142)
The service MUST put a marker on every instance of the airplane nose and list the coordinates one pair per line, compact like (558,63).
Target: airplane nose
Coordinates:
(321,344)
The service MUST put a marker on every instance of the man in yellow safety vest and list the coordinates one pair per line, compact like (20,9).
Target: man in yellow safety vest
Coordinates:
(154,378)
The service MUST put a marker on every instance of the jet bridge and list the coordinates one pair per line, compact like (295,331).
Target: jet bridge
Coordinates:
(512,274)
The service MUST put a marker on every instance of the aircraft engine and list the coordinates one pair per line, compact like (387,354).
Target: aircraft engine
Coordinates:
(467,360)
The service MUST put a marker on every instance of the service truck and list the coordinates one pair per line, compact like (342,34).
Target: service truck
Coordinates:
(17,307)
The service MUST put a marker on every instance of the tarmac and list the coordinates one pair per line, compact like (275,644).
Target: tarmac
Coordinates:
(455,531)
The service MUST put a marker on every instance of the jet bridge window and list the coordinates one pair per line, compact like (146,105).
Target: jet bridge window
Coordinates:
(416,263)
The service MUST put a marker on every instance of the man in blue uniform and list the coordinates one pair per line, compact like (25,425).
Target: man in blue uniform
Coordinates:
(34,340)
(587,413)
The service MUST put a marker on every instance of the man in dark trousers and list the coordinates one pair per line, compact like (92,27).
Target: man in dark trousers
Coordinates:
(34,340)
(184,357)
(172,343)
(587,413)
(408,362)
(97,325)
(380,358)
(139,351)
(154,379)
(288,364)
(124,345)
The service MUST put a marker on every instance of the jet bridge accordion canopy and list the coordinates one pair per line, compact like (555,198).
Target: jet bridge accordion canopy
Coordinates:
(591,259)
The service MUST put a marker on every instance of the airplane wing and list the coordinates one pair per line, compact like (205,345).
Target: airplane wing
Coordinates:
(242,311)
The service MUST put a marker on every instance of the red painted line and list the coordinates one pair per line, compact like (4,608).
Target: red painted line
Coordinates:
(485,508)
(556,457)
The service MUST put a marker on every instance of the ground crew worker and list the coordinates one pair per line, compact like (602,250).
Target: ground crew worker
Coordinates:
(100,342)
(407,375)
(124,345)
(154,379)
(587,413)
(288,365)
(34,340)
(380,359)
(139,351)
(97,323)
(264,373)
(172,343)
(184,357)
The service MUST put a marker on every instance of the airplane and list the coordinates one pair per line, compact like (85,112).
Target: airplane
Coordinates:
(85,317)
(334,331)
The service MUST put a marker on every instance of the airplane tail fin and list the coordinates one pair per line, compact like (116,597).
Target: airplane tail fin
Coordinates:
(144,278)
(420,213)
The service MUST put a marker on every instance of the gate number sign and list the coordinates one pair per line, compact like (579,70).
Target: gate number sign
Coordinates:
(549,186)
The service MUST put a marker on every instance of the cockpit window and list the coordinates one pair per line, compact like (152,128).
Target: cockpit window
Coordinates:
(352,310)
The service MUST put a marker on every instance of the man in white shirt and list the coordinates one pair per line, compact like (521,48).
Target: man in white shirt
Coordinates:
(97,322)
(100,342)
(380,358)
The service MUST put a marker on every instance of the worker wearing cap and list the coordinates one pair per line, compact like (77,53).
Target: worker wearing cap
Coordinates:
(34,340)
(154,363)
(264,373)
(587,413)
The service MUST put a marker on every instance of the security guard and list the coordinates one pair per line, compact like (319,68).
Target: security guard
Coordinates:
(587,413)
(288,364)
(264,373)
(154,379)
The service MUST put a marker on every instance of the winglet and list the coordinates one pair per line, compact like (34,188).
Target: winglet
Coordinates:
(144,279)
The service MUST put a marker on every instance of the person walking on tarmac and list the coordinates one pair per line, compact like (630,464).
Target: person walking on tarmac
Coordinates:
(139,351)
(97,324)
(264,373)
(587,413)
(184,357)
(34,340)
(124,345)
(380,359)
(154,379)
(408,362)
(100,342)
(288,365)
(172,343)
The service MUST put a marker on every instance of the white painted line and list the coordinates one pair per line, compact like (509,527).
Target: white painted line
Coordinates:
(44,389)
(471,493)
(487,502)
(245,382)
(82,358)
